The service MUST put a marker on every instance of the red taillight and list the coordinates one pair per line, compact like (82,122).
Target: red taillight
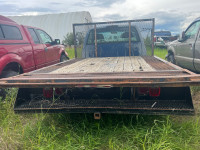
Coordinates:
(48,92)
(154,92)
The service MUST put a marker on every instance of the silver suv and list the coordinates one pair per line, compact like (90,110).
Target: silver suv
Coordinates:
(185,52)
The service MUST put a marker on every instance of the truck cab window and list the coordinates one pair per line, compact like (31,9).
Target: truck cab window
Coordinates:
(34,36)
(1,34)
(192,31)
(46,39)
(11,32)
(114,36)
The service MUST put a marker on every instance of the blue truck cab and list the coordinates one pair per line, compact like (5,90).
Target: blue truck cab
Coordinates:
(113,41)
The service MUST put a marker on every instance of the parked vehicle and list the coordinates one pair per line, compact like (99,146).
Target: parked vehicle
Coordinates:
(113,41)
(159,42)
(163,38)
(25,48)
(108,82)
(185,52)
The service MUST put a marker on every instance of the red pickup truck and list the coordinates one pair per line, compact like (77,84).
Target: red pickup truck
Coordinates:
(25,48)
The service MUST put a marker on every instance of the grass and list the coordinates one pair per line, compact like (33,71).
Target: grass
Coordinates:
(160,52)
(80,131)
(71,52)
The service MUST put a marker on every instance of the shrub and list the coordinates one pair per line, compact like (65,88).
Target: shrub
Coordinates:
(68,39)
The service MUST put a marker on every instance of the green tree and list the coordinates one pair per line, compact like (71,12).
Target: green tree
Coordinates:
(147,41)
(68,39)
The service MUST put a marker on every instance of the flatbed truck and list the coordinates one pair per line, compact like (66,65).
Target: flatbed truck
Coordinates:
(127,84)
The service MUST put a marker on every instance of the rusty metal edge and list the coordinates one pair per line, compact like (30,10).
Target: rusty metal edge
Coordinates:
(78,84)
(93,23)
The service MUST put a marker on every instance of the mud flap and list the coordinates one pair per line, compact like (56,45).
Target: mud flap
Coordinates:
(172,100)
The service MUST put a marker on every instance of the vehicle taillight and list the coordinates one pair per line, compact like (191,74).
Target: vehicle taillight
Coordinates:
(48,92)
(154,92)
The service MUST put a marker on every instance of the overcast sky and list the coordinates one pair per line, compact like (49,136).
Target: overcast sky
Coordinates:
(173,15)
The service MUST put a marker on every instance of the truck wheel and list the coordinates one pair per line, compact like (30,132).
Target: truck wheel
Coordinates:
(171,59)
(63,58)
(6,74)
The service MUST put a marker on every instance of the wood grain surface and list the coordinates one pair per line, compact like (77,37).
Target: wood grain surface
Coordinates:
(107,64)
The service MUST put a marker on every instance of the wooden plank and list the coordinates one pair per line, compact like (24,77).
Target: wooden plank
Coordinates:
(72,67)
(132,64)
(84,66)
(128,67)
(95,65)
(107,64)
(120,65)
(80,67)
(115,64)
(144,65)
(136,65)
(139,64)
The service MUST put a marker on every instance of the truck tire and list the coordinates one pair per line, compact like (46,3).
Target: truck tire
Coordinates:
(63,58)
(171,59)
(6,74)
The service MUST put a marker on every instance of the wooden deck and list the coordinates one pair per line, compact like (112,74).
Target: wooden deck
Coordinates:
(130,71)
(106,64)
